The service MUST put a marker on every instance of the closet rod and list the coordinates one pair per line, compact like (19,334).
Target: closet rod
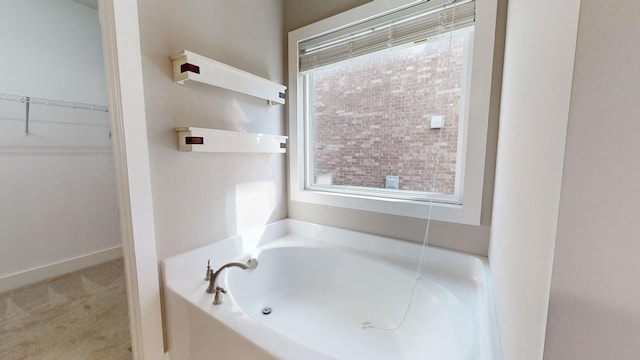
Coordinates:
(51,102)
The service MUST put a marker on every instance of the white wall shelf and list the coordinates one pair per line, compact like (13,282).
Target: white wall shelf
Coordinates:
(212,140)
(191,66)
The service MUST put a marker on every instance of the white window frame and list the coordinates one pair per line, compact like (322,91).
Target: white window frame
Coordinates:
(474,135)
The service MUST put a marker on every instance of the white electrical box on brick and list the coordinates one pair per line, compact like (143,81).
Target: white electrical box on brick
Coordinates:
(392,182)
(437,122)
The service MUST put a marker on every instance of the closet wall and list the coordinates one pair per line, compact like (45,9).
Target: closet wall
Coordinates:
(58,210)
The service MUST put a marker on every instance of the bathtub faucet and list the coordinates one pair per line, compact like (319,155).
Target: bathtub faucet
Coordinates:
(213,278)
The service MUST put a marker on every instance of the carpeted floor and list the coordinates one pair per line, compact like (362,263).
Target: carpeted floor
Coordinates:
(78,316)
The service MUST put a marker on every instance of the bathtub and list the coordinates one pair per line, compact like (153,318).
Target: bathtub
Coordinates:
(326,293)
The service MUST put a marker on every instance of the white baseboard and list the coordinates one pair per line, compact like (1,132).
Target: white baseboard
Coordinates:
(31,276)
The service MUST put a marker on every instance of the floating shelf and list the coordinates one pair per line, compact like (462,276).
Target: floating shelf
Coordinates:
(212,140)
(191,66)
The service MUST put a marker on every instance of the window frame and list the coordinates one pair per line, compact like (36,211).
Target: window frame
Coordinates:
(474,135)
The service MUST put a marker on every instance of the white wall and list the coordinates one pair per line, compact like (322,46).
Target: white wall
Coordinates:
(594,310)
(466,238)
(204,197)
(57,185)
(299,13)
(538,67)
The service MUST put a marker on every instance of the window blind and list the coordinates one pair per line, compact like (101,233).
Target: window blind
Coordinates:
(409,25)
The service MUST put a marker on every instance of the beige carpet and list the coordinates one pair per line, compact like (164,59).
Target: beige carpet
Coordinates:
(78,316)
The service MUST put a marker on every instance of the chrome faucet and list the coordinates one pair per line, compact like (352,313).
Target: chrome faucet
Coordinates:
(212,277)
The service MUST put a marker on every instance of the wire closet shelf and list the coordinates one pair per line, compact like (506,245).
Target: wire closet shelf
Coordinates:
(28,100)
(51,102)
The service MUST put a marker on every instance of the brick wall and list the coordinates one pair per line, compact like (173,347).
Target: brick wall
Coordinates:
(372,117)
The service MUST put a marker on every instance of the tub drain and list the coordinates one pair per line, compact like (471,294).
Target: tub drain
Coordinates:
(266,311)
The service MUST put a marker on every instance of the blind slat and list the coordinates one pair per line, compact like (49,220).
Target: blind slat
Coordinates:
(330,49)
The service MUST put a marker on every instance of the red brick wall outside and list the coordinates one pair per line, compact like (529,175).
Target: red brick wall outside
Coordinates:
(372,117)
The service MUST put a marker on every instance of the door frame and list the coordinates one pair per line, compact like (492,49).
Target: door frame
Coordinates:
(123,65)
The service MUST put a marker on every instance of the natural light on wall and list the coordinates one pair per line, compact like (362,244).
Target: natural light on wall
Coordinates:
(254,204)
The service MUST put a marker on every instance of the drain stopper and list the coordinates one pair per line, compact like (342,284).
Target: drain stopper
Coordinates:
(266,311)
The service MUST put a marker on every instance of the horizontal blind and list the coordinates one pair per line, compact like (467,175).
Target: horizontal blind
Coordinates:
(378,34)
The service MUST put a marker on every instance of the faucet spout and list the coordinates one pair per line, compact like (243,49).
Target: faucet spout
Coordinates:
(213,279)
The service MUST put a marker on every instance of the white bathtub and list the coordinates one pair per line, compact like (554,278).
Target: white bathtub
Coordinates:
(322,284)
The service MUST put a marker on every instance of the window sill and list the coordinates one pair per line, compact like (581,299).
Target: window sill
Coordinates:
(463,214)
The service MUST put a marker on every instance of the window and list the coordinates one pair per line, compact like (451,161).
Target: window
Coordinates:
(393,113)
(382,119)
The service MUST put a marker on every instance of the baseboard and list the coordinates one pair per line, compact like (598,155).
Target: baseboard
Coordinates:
(31,276)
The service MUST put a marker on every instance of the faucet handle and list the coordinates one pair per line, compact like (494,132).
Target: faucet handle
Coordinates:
(208,274)
(219,298)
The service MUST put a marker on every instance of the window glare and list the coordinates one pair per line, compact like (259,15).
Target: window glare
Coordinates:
(390,119)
